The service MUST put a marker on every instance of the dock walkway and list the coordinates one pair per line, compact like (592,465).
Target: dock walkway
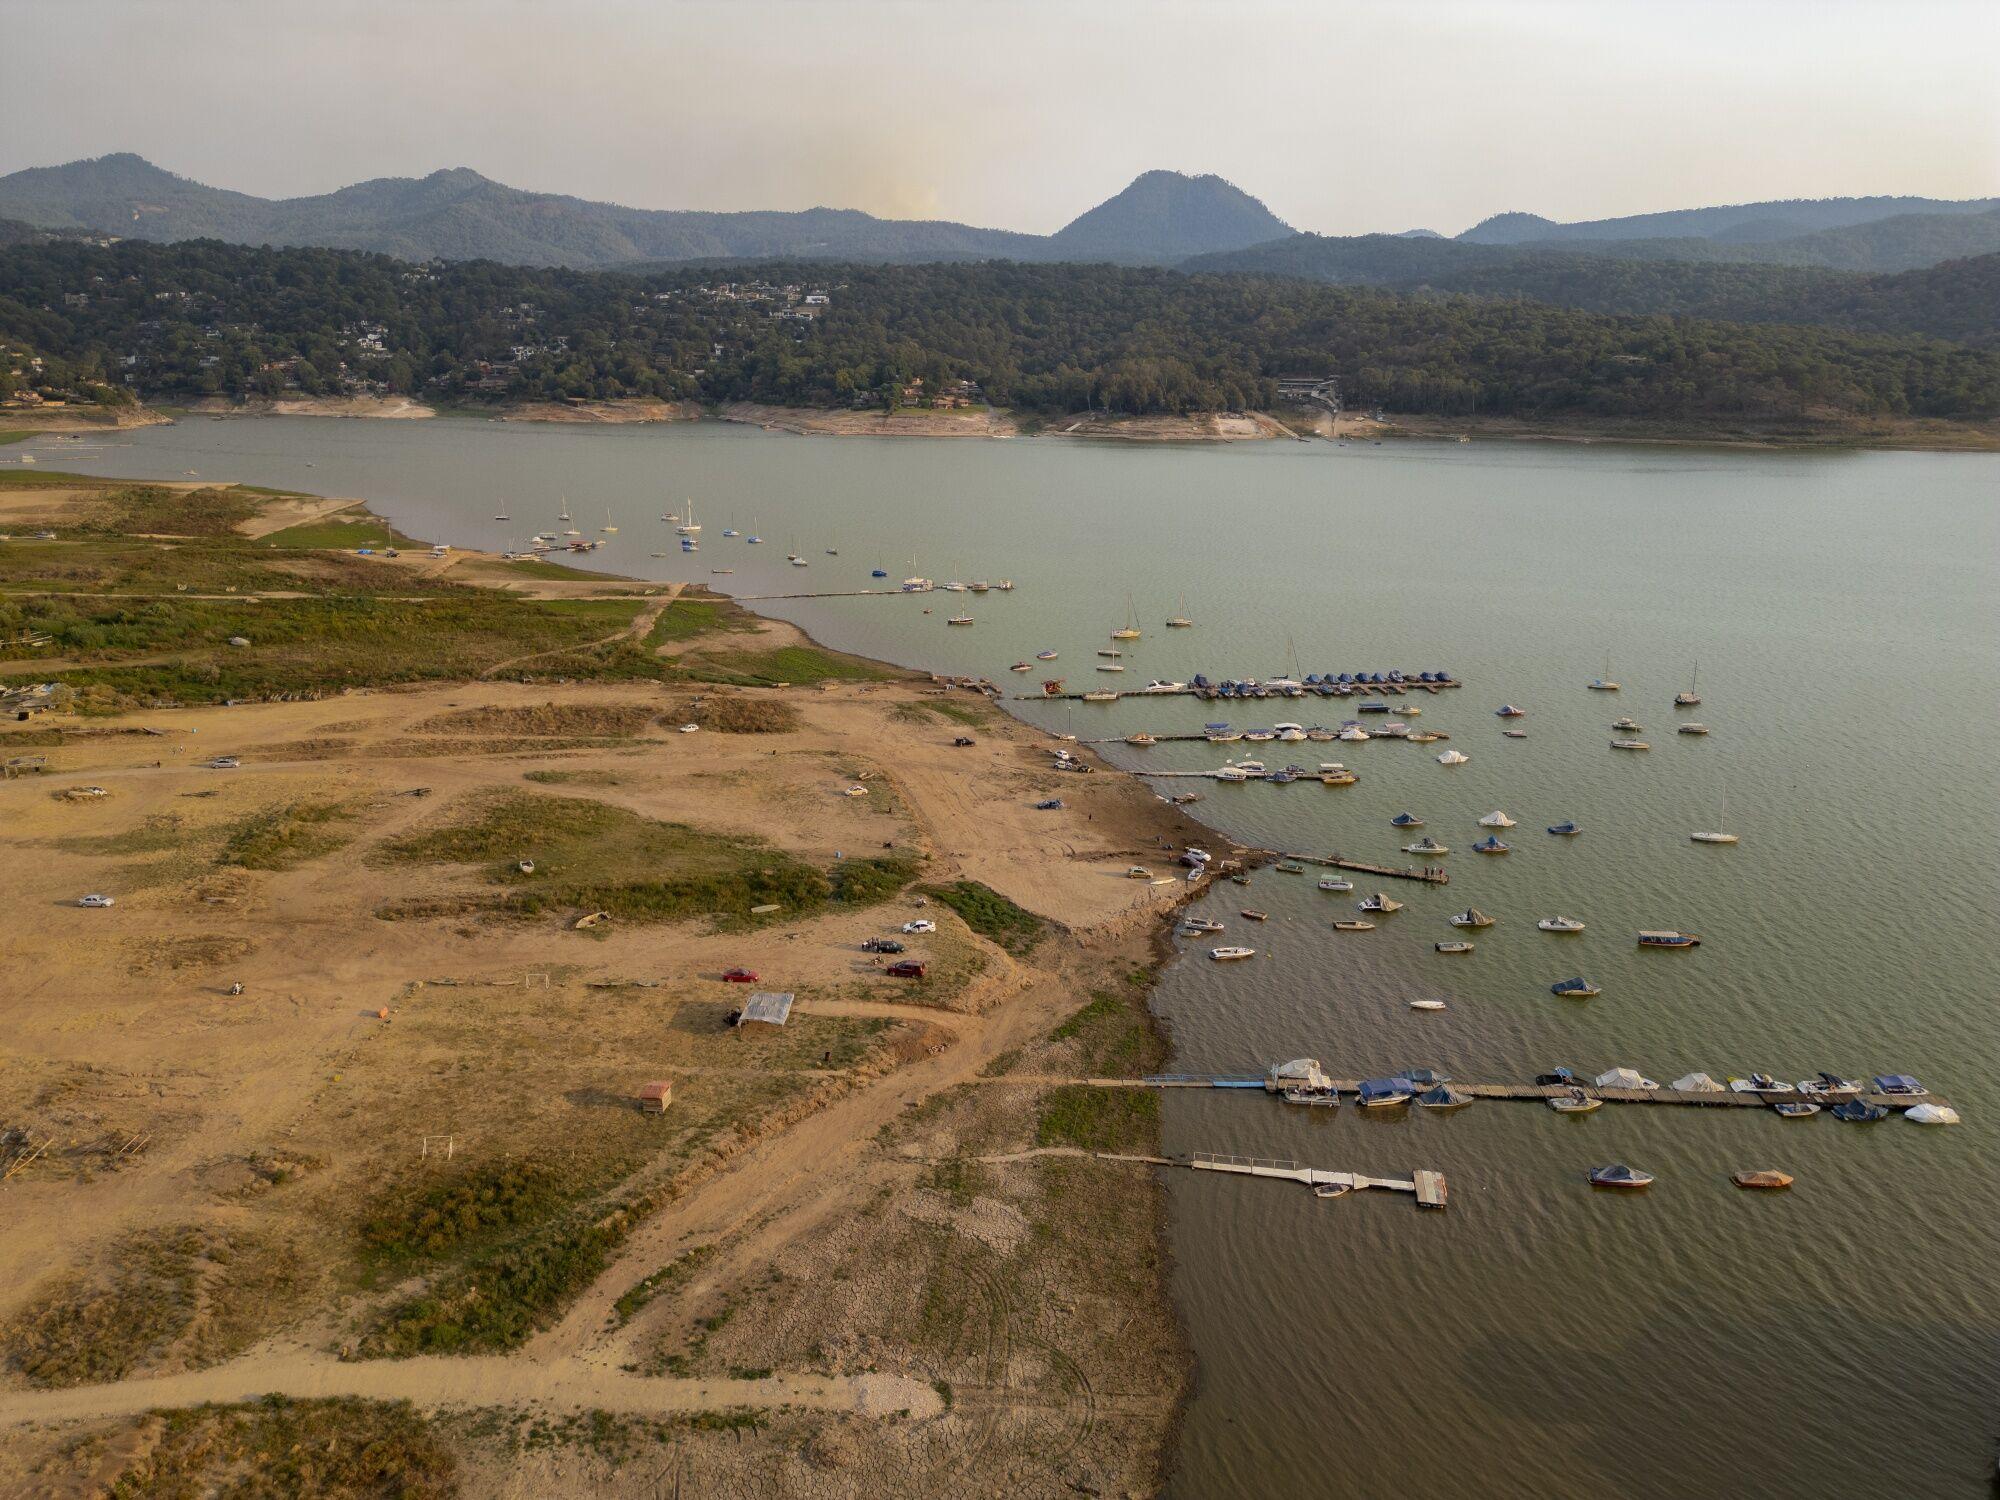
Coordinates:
(1533,1092)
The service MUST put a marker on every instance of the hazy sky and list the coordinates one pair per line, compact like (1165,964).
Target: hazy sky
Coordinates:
(1021,113)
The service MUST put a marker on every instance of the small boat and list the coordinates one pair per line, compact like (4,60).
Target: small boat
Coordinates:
(878,572)
(1239,879)
(1452,947)
(1406,820)
(1575,1102)
(1254,916)
(1443,1097)
(1288,866)
(526,867)
(1022,666)
(1496,819)
(1630,725)
(1335,883)
(731,531)
(1669,940)
(1564,830)
(1491,845)
(1426,845)
(1130,632)
(1141,738)
(1353,926)
(1200,924)
(753,541)
(1766,1180)
(1427,1005)
(1931,1114)
(1691,697)
(1472,916)
(1859,1112)
(1899,1085)
(1353,733)
(1180,621)
(1630,745)
(1382,1093)
(503,518)
(1312,1098)
(1452,757)
(1337,776)
(1229,955)
(1111,666)
(1560,924)
(1577,988)
(1794,1109)
(1712,838)
(1045,656)
(1111,651)
(1100,696)
(1604,684)
(1830,1088)
(1514,734)
(1508,711)
(958,620)
(1691,728)
(1320,1189)
(1380,902)
(1422,737)
(1618,1175)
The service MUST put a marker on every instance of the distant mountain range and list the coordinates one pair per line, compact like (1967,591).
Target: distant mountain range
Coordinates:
(459,215)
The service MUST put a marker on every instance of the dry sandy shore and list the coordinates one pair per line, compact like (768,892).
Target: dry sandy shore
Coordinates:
(866,1283)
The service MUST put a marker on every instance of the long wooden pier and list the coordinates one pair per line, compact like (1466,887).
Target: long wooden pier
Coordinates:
(1533,1092)
(1427,874)
(1428,1186)
(1371,693)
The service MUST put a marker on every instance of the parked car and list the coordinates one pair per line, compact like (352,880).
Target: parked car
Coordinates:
(739,976)
(921,924)
(909,968)
(224,763)
(881,945)
(1054,804)
(95,901)
(962,740)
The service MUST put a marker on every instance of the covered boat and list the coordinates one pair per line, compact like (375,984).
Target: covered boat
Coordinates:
(1452,947)
(1381,1092)
(1574,988)
(1695,1083)
(1472,916)
(1669,940)
(1426,845)
(1901,1084)
(1618,1175)
(1762,1179)
(1564,830)
(1859,1112)
(1381,901)
(1625,1078)
(1496,819)
(1299,1073)
(1931,1114)
(1452,758)
(1443,1097)
(1575,1102)
(1406,820)
(1491,845)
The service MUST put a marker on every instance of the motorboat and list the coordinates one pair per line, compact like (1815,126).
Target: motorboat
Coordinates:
(1491,845)
(1231,773)
(958,620)
(1794,1109)
(1564,830)
(1100,695)
(1625,1078)
(1899,1086)
(1111,666)
(1353,926)
(1931,1114)
(1382,1093)
(1165,685)
(1335,883)
(1422,737)
(878,572)
(1509,711)
(1452,757)
(1427,845)
(1695,1083)
(1577,988)
(1380,902)
(1691,697)
(1560,924)
(1859,1112)
(1337,776)
(1630,725)
(1045,656)
(1630,745)
(1452,947)
(1712,838)
(1618,1175)
(1472,916)
(1496,819)
(1765,1180)
(1427,1005)
(1758,1083)
(1690,728)
(1669,940)
(1140,738)
(1254,916)
(1312,1098)
(1022,666)
(1406,820)
(1261,736)
(1230,955)
(1575,1102)
(1354,734)
(1513,734)
(1200,924)
(1443,1097)
(1830,1088)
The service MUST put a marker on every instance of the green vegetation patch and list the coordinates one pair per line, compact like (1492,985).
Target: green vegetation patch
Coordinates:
(802,665)
(335,1449)
(991,914)
(688,618)
(593,856)
(282,838)
(151,510)
(669,1276)
(1097,1119)
(345,529)
(1114,1036)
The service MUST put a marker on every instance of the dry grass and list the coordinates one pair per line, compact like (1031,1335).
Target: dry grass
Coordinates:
(729,713)
(612,720)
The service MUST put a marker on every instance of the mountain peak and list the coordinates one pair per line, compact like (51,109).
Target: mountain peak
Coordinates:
(1165,216)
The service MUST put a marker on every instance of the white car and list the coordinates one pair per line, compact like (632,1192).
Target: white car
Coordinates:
(921,924)
(224,763)
(94,901)
(689,728)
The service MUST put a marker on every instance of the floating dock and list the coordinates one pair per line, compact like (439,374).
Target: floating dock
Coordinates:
(1533,1092)
(1368,693)
(1428,1186)
(1427,874)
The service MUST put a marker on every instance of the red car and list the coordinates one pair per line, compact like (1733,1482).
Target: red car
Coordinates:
(907,969)
(739,976)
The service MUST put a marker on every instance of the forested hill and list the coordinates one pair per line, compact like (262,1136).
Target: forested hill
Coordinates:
(1957,300)
(202,317)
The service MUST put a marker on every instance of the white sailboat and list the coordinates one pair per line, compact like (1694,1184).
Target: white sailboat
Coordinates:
(689,526)
(1180,620)
(607,523)
(1692,696)
(1710,837)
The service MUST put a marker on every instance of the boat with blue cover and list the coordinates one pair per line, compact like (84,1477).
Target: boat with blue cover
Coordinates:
(1491,845)
(1406,820)
(1859,1112)
(1564,830)
(1575,988)
(1380,1093)
(1669,940)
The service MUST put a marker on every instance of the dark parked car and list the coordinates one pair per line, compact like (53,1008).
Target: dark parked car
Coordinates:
(963,739)
(739,976)
(881,945)
(908,969)
(1054,804)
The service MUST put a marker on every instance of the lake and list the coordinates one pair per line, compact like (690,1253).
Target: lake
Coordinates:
(1538,1339)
